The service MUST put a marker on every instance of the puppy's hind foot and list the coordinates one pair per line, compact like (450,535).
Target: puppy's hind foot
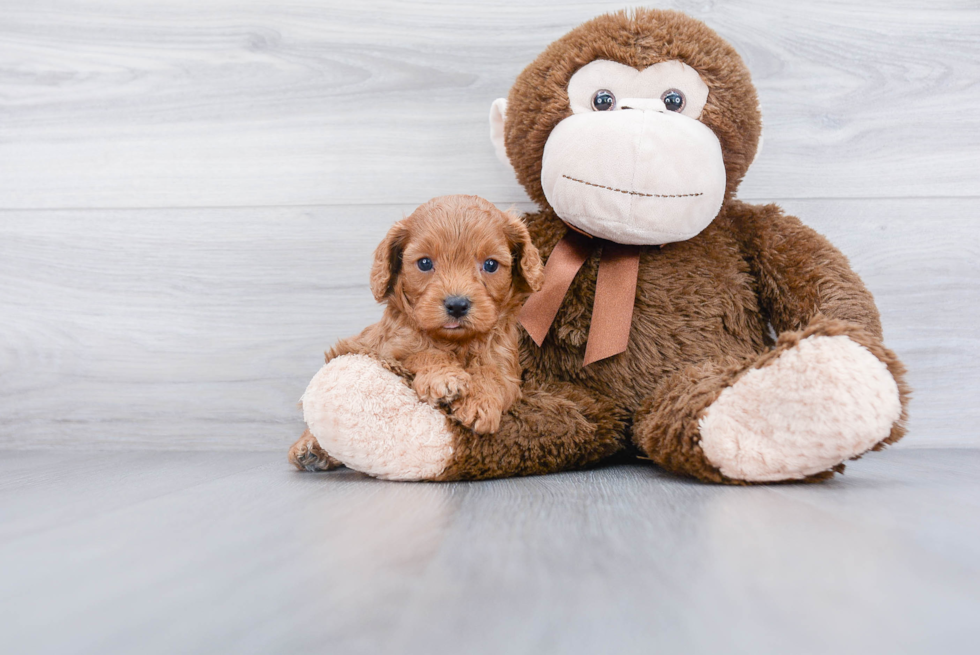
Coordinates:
(307,455)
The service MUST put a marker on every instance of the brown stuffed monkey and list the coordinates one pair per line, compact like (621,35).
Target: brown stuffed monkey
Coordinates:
(653,334)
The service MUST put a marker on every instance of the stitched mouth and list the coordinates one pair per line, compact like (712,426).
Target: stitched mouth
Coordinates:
(634,193)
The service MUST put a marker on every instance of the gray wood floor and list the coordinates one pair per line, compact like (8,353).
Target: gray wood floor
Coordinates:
(189,195)
(142,552)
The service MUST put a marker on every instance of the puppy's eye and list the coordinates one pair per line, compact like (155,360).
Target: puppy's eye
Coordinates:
(490,266)
(424,264)
(603,100)
(673,100)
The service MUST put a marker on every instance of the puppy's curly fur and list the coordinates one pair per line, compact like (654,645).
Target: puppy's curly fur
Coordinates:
(452,248)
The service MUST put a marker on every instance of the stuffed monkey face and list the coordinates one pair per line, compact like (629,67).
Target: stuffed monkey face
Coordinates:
(633,163)
(633,127)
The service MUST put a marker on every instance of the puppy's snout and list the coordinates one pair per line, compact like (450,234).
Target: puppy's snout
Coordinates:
(457,306)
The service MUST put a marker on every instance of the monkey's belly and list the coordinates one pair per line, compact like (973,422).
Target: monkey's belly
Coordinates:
(661,343)
(695,301)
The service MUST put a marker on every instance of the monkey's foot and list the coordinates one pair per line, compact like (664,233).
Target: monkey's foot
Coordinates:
(817,404)
(368,418)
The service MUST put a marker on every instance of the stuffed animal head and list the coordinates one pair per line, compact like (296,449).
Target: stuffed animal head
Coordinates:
(633,127)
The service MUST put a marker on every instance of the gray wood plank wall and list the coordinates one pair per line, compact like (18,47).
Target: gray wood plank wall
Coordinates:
(189,192)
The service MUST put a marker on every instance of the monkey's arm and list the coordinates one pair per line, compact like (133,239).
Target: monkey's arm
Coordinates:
(553,427)
(806,287)
(365,416)
(800,274)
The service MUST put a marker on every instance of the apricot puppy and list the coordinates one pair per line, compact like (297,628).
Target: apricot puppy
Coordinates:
(453,276)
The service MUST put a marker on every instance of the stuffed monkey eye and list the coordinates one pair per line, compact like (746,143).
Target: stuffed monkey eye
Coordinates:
(490,266)
(673,100)
(424,264)
(603,100)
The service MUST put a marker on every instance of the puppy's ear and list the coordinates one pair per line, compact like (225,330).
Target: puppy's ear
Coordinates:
(388,261)
(527,269)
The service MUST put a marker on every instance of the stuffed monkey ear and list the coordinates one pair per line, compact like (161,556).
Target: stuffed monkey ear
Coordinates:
(758,147)
(527,269)
(388,261)
(498,114)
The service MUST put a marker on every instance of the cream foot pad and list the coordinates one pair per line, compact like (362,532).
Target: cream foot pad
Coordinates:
(368,418)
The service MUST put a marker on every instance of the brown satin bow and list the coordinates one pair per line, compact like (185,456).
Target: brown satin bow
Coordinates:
(615,293)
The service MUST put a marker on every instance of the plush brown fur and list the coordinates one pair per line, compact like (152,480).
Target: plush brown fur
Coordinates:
(467,365)
(703,306)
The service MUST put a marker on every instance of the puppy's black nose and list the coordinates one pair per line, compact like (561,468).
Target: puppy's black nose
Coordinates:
(457,306)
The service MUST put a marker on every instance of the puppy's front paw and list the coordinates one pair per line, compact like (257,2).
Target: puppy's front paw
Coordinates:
(480,414)
(440,387)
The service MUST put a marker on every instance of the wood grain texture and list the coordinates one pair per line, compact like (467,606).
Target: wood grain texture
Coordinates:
(176,103)
(183,329)
(236,553)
